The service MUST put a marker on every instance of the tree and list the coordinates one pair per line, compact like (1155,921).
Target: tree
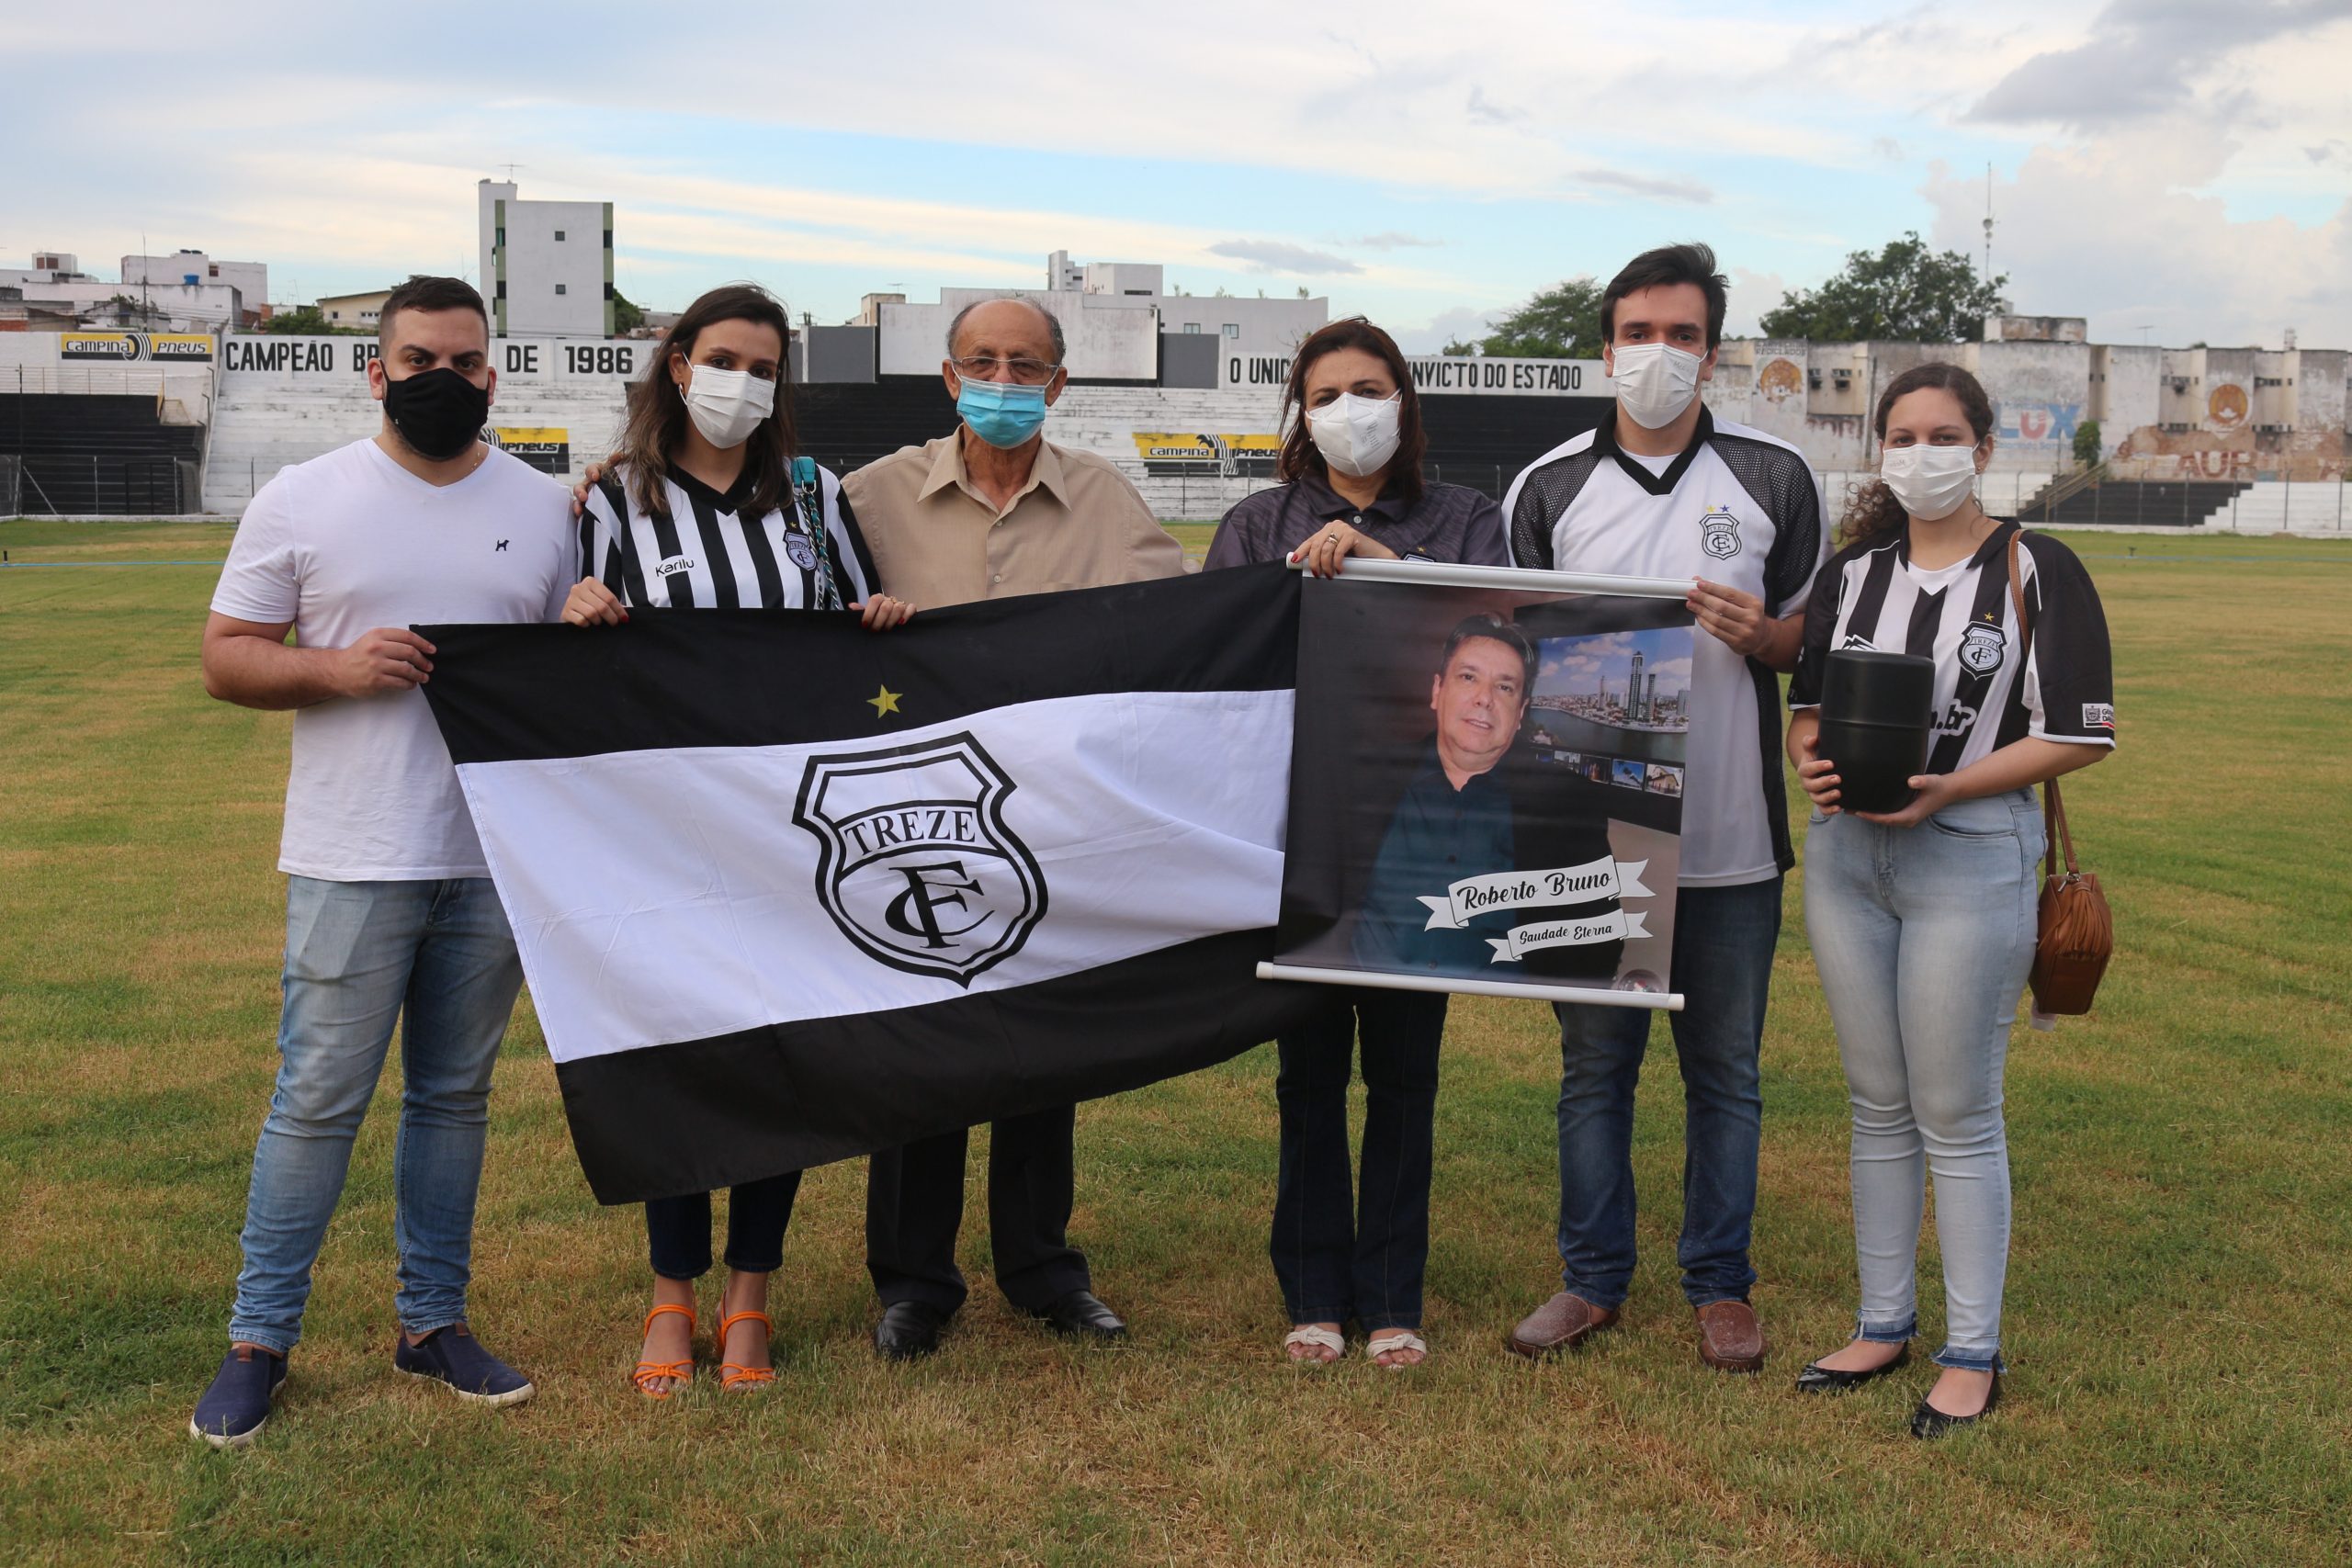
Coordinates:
(1457,349)
(627,318)
(2086,443)
(310,322)
(1903,294)
(1560,323)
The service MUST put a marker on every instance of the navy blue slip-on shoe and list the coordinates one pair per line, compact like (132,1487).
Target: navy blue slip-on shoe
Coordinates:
(235,1408)
(453,1355)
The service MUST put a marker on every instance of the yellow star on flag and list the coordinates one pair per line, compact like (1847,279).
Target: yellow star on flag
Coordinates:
(887,701)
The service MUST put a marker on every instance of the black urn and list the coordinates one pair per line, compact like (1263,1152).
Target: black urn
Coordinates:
(1874,715)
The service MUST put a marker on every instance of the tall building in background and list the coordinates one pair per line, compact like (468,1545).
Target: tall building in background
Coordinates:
(185,268)
(547,267)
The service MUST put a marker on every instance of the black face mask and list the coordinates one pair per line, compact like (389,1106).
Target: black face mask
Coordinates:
(439,412)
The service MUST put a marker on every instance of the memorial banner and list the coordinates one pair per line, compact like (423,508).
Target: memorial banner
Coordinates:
(1486,781)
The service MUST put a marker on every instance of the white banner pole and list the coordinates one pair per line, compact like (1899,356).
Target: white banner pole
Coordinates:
(1450,575)
(1590,995)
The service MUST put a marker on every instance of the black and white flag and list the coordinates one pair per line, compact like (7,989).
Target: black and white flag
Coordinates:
(788,891)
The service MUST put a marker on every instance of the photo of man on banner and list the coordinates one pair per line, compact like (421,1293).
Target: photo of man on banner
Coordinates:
(1486,789)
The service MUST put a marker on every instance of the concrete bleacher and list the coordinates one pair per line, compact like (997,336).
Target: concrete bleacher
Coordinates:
(2274,506)
(257,432)
(91,453)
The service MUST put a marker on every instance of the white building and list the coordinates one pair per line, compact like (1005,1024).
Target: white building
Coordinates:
(1113,315)
(49,266)
(547,267)
(55,286)
(250,279)
(354,309)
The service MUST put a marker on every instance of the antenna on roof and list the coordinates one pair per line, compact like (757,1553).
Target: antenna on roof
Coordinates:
(1988,222)
(510,169)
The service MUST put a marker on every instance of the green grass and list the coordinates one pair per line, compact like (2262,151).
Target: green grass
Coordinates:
(2176,1308)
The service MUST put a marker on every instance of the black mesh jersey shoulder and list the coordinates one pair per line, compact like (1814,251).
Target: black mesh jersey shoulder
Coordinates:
(1545,496)
(1781,482)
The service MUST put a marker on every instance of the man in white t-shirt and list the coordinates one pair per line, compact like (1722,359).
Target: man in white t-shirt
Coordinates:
(1663,489)
(390,911)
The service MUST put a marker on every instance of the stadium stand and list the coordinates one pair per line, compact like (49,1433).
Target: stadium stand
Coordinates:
(101,454)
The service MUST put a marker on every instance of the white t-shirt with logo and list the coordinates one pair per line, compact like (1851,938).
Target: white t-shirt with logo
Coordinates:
(352,541)
(1736,507)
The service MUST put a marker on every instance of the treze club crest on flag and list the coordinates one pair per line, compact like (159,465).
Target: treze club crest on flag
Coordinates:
(917,866)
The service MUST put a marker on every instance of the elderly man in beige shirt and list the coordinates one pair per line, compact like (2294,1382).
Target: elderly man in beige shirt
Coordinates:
(989,511)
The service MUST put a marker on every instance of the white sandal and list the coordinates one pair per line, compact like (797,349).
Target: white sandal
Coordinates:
(1402,1339)
(1320,1338)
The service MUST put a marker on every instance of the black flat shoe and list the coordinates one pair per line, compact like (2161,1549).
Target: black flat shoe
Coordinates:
(909,1330)
(1930,1422)
(1818,1379)
(1080,1314)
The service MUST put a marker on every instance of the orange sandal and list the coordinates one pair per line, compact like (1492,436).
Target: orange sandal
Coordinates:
(733,1375)
(648,1373)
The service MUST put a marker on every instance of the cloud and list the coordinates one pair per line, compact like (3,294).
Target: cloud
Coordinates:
(1461,324)
(2140,60)
(1751,294)
(2104,232)
(1487,112)
(1888,148)
(1644,185)
(1275,256)
(2335,149)
(1391,239)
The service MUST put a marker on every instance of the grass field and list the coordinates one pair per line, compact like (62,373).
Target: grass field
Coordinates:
(2178,1305)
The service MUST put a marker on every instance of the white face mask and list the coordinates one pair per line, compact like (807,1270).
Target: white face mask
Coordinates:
(727,405)
(1356,436)
(1930,482)
(1655,382)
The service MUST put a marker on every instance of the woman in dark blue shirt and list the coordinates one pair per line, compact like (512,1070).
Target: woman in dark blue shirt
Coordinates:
(1350,465)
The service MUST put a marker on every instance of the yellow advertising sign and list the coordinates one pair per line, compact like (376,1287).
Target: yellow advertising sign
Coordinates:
(1174,446)
(120,348)
(547,448)
(127,348)
(187,348)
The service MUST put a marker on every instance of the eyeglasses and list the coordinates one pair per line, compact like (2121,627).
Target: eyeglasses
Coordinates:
(983,367)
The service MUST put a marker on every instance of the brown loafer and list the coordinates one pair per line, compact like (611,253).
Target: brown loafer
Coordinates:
(1730,1339)
(1558,1324)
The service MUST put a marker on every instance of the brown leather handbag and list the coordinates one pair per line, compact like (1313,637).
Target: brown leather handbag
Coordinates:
(2077,934)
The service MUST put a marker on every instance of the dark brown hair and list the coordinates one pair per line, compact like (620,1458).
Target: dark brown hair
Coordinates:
(1299,457)
(428,294)
(1872,510)
(1487,623)
(1662,268)
(655,422)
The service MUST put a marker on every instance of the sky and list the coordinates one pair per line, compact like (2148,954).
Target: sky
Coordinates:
(2174,170)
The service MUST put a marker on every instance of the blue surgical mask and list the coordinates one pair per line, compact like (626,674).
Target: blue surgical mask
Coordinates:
(1002,413)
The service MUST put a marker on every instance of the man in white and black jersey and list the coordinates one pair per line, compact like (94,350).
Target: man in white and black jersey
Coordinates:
(1662,489)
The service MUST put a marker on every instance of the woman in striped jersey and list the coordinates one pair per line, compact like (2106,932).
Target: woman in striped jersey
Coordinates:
(706,506)
(1923,920)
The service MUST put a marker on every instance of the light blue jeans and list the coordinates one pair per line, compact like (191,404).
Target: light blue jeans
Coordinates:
(358,955)
(1923,937)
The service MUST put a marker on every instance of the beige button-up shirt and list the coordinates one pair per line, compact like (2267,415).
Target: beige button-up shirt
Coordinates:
(936,541)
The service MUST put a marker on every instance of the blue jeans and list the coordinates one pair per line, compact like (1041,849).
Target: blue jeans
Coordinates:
(1335,1258)
(1923,937)
(359,954)
(1722,965)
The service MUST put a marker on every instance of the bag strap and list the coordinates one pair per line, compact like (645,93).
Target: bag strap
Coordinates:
(2053,810)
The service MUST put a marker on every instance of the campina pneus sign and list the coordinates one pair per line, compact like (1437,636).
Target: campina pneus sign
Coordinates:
(133,348)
